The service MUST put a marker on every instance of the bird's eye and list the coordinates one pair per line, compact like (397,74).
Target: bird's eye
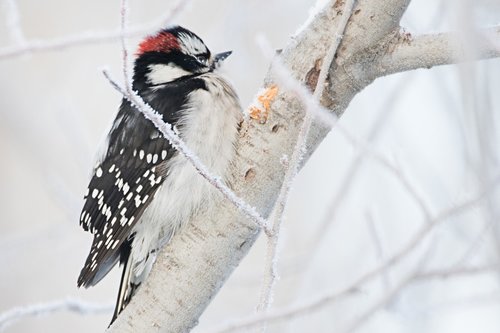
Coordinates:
(202,58)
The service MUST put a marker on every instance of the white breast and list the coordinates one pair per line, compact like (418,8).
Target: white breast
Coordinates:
(209,128)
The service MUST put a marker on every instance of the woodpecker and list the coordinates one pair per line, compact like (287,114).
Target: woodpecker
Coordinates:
(141,189)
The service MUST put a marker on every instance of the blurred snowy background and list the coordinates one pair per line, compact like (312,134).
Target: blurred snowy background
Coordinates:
(438,126)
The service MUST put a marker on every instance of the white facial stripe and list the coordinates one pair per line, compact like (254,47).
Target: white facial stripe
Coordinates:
(192,45)
(161,73)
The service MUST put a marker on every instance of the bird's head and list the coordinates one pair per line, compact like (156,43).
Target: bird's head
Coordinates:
(172,54)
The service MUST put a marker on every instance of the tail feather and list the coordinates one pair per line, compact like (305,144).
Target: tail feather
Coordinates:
(90,275)
(134,273)
(127,287)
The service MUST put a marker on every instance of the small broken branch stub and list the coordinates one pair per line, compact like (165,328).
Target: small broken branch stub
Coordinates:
(313,75)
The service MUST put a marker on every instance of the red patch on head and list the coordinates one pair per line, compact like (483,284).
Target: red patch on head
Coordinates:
(162,42)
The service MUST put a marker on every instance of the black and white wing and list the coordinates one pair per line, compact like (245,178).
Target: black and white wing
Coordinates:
(122,186)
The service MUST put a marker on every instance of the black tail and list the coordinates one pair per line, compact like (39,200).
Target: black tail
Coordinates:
(127,288)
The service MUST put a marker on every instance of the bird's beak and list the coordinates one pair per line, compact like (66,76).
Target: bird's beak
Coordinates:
(219,58)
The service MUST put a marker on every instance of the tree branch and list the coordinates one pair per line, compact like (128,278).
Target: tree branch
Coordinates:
(87,38)
(9,317)
(426,51)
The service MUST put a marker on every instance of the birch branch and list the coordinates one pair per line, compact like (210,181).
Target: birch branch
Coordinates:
(427,51)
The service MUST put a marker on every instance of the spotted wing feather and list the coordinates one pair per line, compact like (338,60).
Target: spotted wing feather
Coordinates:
(122,186)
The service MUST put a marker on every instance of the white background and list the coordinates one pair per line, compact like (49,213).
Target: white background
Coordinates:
(439,126)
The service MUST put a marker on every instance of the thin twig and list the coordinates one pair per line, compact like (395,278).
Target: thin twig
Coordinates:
(125,58)
(282,314)
(460,271)
(90,37)
(365,151)
(478,241)
(287,81)
(294,164)
(9,317)
(389,295)
(329,298)
(379,250)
